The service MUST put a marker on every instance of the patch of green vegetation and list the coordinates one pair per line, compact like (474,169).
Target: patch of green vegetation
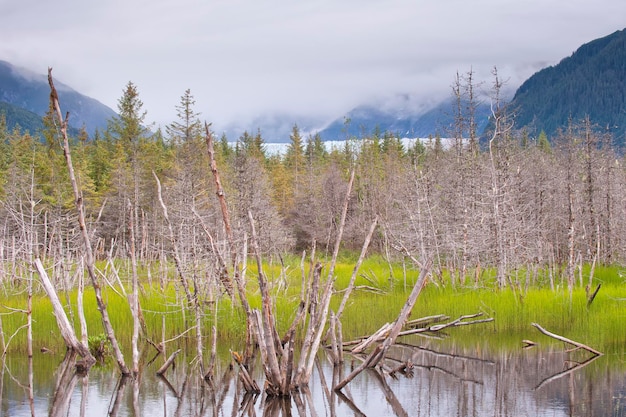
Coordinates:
(380,292)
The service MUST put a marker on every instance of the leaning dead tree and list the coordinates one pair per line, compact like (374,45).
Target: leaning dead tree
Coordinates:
(65,327)
(80,209)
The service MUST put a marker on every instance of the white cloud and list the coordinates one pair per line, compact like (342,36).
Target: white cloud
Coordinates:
(245,58)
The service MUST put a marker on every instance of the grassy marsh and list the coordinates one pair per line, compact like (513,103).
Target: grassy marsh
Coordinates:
(514,308)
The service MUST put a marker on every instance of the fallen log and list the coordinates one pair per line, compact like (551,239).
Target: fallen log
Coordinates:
(379,335)
(566,340)
(364,342)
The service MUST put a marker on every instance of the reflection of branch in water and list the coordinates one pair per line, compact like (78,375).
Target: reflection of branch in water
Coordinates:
(83,399)
(322,377)
(116,399)
(168,385)
(297,399)
(445,371)
(225,385)
(135,401)
(350,404)
(309,400)
(566,372)
(446,355)
(65,384)
(390,396)
(183,395)
(247,404)
(277,406)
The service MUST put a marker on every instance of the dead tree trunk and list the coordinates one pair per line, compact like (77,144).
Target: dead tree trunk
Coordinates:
(239,282)
(316,324)
(134,297)
(355,271)
(78,201)
(219,191)
(265,325)
(192,299)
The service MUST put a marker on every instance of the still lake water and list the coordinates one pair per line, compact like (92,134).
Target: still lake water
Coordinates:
(446,380)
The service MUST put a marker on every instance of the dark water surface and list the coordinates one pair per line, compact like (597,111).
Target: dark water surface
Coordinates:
(445,380)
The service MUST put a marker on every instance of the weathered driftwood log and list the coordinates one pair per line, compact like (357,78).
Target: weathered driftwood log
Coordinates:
(377,336)
(566,340)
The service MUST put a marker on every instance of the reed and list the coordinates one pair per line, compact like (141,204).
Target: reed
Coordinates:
(514,308)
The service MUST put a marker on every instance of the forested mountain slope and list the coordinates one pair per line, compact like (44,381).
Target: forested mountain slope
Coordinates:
(15,116)
(591,82)
(29,91)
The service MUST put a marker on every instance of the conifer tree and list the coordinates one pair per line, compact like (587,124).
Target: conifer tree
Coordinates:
(188,125)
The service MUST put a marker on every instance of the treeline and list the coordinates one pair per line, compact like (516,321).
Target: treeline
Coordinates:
(514,203)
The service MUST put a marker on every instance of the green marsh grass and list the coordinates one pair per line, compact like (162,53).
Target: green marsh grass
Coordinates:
(599,325)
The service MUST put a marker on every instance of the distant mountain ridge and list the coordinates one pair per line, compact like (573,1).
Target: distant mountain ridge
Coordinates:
(591,82)
(22,90)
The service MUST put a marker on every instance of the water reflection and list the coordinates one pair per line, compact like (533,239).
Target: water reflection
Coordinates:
(431,380)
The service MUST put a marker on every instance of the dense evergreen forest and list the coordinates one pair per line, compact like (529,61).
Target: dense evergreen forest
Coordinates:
(590,83)
(516,203)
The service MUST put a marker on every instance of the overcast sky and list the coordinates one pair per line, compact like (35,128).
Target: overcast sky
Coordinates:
(247,58)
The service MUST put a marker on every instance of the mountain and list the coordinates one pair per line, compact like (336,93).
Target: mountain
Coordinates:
(591,82)
(28,91)
(17,116)
(405,121)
